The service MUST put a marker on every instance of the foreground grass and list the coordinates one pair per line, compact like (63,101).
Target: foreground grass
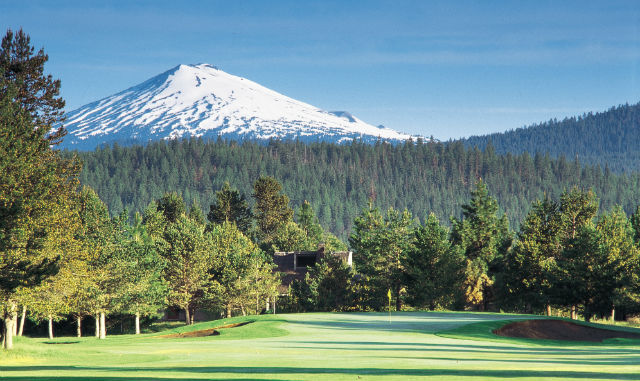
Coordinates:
(357,346)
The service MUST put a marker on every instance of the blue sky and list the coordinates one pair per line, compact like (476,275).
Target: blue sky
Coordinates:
(441,68)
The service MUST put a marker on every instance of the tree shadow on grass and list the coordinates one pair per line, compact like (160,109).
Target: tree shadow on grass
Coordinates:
(246,371)
(623,361)
(424,323)
(464,348)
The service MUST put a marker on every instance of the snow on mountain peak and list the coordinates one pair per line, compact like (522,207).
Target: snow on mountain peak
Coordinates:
(203,101)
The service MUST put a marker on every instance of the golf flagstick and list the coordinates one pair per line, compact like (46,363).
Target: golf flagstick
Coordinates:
(389,296)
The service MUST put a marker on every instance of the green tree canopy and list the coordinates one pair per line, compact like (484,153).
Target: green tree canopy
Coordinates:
(36,93)
(35,179)
(530,265)
(172,206)
(381,247)
(435,267)
(484,238)
(272,206)
(231,206)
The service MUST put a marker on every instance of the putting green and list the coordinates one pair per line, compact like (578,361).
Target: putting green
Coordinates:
(349,346)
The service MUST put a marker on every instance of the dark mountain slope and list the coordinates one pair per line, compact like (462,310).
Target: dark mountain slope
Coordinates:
(610,138)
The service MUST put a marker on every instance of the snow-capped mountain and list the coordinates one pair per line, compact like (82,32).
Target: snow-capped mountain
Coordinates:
(203,101)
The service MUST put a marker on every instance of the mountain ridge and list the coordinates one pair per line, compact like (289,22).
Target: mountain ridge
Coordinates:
(203,101)
(609,138)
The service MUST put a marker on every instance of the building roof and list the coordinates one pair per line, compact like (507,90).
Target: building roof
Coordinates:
(286,264)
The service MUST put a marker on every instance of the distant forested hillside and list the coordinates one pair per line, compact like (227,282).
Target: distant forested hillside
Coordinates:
(339,180)
(610,138)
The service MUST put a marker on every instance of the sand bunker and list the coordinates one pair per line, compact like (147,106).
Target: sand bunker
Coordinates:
(203,332)
(560,330)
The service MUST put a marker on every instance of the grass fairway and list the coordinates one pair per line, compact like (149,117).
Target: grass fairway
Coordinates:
(355,346)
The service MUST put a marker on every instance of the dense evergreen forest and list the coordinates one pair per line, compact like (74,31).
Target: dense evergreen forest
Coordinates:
(339,180)
(610,138)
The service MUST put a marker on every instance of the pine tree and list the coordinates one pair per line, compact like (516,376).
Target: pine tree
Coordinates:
(37,94)
(435,267)
(578,209)
(533,260)
(332,280)
(172,206)
(34,177)
(272,206)
(635,224)
(622,258)
(231,206)
(381,247)
(484,237)
(308,222)
(585,274)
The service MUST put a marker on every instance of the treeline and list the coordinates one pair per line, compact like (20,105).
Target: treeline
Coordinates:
(170,257)
(563,259)
(609,139)
(339,180)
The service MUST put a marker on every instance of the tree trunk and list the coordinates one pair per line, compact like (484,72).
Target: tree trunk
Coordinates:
(613,314)
(228,309)
(103,326)
(78,326)
(137,323)
(14,318)
(187,316)
(398,300)
(7,339)
(97,317)
(244,312)
(50,327)
(548,309)
(24,315)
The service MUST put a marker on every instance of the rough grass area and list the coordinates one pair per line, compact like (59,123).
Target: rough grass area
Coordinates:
(347,346)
